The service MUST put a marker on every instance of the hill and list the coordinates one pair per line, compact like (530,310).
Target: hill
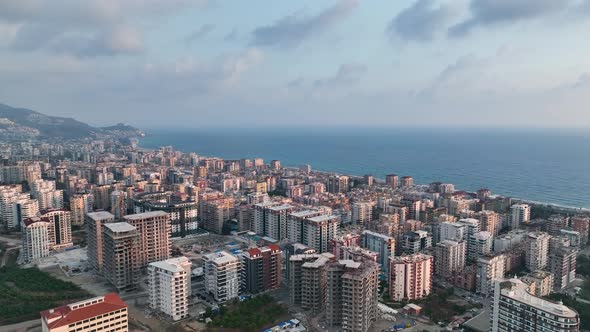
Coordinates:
(18,123)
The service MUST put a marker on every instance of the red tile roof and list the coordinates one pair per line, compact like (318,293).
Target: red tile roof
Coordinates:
(30,221)
(64,315)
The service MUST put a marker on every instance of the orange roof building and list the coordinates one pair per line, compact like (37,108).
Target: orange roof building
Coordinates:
(104,313)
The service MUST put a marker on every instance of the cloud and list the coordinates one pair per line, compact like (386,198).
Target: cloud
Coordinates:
(347,74)
(291,30)
(232,36)
(83,28)
(496,12)
(203,31)
(419,22)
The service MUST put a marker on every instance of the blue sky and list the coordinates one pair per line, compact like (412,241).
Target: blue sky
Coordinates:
(200,63)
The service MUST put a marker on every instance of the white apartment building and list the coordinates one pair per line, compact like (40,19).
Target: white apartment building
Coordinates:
(410,277)
(536,250)
(318,231)
(449,257)
(222,271)
(35,238)
(515,309)
(520,214)
(170,286)
(362,212)
(453,231)
(488,269)
(480,244)
(295,222)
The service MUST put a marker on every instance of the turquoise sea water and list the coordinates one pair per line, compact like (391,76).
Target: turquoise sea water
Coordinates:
(548,166)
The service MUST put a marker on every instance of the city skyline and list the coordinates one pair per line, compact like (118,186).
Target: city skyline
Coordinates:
(205,63)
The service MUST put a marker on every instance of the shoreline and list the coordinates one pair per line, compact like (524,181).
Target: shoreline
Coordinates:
(572,209)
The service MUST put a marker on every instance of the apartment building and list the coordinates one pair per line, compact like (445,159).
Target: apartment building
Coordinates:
(351,298)
(154,235)
(318,231)
(536,250)
(488,268)
(121,255)
(94,223)
(449,258)
(410,277)
(222,275)
(383,245)
(35,238)
(169,283)
(308,280)
(260,269)
(515,309)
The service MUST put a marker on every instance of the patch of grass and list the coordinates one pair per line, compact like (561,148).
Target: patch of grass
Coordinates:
(249,315)
(438,307)
(585,292)
(583,265)
(25,292)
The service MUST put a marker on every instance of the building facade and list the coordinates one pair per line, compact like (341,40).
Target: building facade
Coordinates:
(169,283)
(410,277)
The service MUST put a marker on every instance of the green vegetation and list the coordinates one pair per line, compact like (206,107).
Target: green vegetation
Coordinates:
(250,315)
(585,293)
(583,265)
(583,309)
(26,292)
(438,307)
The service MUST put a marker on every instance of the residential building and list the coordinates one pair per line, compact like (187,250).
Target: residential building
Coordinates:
(106,313)
(169,283)
(540,282)
(383,245)
(562,264)
(392,180)
(581,224)
(260,269)
(80,204)
(154,235)
(520,214)
(222,276)
(515,309)
(415,242)
(183,210)
(308,280)
(94,223)
(215,213)
(351,299)
(410,277)
(118,204)
(449,258)
(480,244)
(121,255)
(338,184)
(536,250)
(490,221)
(295,223)
(489,268)
(35,239)
(60,228)
(318,231)
(362,212)
(275,222)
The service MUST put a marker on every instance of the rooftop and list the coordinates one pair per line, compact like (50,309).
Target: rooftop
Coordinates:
(322,218)
(145,215)
(172,264)
(79,311)
(119,227)
(101,215)
(222,257)
(304,213)
(516,289)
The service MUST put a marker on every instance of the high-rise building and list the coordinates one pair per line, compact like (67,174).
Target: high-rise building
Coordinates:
(118,204)
(169,284)
(556,223)
(521,214)
(383,245)
(94,223)
(407,181)
(106,313)
(540,282)
(490,221)
(480,244)
(449,258)
(215,213)
(260,269)
(257,198)
(60,228)
(351,299)
(308,280)
(515,309)
(80,204)
(562,264)
(275,221)
(362,212)
(295,222)
(15,206)
(410,277)
(453,231)
(338,184)
(318,231)
(581,224)
(414,242)
(183,210)
(222,275)
(48,196)
(102,197)
(536,250)
(488,269)
(154,235)
(392,180)
(275,164)
(121,255)
(35,238)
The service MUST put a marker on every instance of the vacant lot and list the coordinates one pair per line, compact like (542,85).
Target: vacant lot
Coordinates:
(250,315)
(25,292)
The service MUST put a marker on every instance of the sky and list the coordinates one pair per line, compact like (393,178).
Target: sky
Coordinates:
(304,63)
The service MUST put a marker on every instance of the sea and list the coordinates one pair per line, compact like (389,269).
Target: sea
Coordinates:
(538,165)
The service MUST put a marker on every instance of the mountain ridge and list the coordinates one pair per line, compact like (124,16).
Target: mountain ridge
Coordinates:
(16,122)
